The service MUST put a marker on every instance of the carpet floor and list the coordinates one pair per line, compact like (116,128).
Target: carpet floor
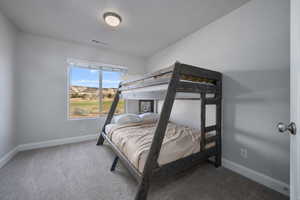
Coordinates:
(81,172)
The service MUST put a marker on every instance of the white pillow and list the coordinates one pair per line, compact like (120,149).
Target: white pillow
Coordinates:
(149,117)
(127,119)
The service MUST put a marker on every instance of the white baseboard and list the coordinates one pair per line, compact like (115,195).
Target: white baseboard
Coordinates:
(263,179)
(56,142)
(39,145)
(7,157)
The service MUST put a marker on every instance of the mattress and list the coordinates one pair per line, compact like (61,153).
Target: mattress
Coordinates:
(134,140)
(159,92)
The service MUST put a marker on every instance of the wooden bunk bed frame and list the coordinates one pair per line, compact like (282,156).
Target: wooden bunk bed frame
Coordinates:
(177,77)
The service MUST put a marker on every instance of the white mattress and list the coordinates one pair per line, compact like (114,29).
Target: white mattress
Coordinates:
(158,91)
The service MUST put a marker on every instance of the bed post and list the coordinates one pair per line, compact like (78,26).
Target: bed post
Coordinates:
(203,121)
(159,134)
(113,166)
(109,116)
(218,158)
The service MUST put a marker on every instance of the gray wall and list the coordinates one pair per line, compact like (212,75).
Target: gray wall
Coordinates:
(8,35)
(42,86)
(250,46)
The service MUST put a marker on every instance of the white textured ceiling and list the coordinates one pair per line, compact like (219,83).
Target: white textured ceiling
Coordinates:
(147,26)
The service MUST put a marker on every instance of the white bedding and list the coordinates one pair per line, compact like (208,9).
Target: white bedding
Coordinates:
(134,140)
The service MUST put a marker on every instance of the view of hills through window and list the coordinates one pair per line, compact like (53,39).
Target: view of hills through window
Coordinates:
(88,96)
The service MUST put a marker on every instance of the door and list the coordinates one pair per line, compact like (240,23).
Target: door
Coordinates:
(295,99)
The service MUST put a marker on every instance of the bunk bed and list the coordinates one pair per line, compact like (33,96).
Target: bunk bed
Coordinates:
(180,81)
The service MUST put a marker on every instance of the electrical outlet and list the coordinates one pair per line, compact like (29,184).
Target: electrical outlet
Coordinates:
(244,153)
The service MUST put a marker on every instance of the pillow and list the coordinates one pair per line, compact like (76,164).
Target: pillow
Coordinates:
(127,119)
(149,117)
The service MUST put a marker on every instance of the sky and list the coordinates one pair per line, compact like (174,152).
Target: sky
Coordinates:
(90,78)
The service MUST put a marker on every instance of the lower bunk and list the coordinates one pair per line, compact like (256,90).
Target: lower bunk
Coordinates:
(180,150)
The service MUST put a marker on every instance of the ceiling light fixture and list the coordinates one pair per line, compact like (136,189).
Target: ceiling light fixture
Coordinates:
(112,19)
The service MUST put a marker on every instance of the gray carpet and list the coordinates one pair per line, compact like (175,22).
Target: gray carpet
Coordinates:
(81,172)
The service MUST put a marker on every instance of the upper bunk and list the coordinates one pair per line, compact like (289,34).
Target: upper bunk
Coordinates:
(191,82)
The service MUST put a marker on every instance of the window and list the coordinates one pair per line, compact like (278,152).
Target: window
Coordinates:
(92,89)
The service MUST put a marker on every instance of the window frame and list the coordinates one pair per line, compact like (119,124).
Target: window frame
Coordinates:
(96,66)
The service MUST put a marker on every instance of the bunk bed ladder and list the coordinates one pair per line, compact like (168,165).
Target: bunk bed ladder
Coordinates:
(206,129)
(218,158)
(203,121)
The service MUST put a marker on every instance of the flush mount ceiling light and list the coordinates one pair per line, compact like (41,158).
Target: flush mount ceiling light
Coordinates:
(112,19)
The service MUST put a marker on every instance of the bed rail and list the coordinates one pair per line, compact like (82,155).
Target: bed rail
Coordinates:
(190,78)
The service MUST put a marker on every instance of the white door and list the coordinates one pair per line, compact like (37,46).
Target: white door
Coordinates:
(295,99)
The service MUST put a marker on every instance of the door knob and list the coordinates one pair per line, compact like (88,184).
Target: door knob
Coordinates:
(282,127)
